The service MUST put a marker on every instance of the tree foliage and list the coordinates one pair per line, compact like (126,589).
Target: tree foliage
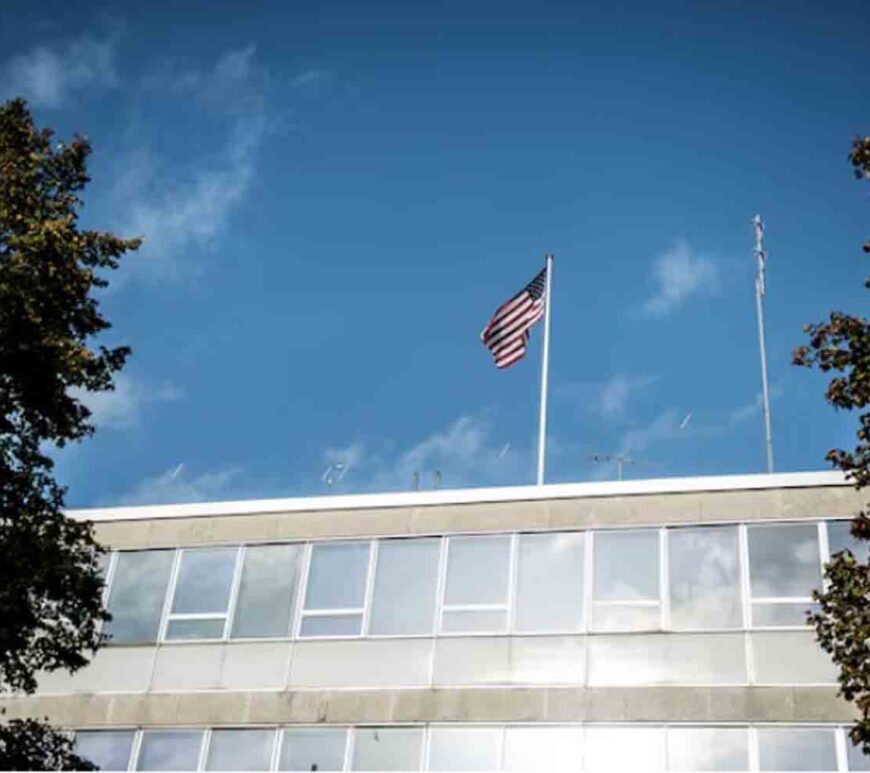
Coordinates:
(842,624)
(50,583)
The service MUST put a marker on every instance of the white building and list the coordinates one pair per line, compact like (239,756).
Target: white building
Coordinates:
(633,625)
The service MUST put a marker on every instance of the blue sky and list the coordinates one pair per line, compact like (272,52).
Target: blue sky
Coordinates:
(336,197)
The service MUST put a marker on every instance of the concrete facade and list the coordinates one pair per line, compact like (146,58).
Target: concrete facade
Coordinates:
(740,676)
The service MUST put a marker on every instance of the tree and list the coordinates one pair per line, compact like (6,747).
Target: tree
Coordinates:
(842,624)
(50,580)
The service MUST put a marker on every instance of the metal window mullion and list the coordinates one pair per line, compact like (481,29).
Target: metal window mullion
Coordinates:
(513,560)
(745,601)
(109,578)
(841,742)
(348,747)
(588,579)
(664,581)
(241,552)
(368,594)
(274,758)
(824,552)
(333,612)
(303,591)
(753,748)
(475,607)
(197,615)
(442,584)
(170,594)
(427,746)
(135,748)
(501,744)
(205,742)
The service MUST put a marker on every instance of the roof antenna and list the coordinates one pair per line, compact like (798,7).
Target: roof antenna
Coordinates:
(415,481)
(620,460)
(437,478)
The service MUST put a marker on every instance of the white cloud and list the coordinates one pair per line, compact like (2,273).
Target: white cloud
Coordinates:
(465,453)
(177,485)
(748,411)
(677,275)
(48,75)
(182,208)
(122,408)
(310,78)
(614,394)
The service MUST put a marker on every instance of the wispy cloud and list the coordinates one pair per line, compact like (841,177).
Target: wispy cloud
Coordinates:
(48,75)
(122,408)
(310,78)
(182,208)
(752,409)
(677,275)
(467,452)
(609,399)
(177,485)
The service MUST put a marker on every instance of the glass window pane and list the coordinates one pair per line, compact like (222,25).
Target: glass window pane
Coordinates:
(796,748)
(240,750)
(467,748)
(543,748)
(169,750)
(784,559)
(474,621)
(477,570)
(204,580)
(782,614)
(337,577)
(857,759)
(626,565)
(313,748)
(107,749)
(624,748)
(405,583)
(137,595)
(332,625)
(195,629)
(704,577)
(550,582)
(625,617)
(840,538)
(387,748)
(708,748)
(266,591)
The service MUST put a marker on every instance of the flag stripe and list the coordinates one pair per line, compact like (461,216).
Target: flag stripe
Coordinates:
(507,333)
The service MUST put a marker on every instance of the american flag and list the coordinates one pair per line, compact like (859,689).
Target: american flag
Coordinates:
(507,334)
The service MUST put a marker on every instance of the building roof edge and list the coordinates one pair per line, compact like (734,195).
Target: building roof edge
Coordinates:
(463,496)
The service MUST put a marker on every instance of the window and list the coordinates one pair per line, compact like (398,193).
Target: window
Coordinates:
(707,748)
(335,597)
(840,538)
(476,596)
(405,584)
(107,749)
(313,748)
(796,748)
(549,595)
(267,589)
(137,594)
(240,750)
(704,577)
(784,568)
(202,593)
(626,594)
(624,748)
(387,748)
(466,748)
(170,750)
(856,758)
(543,748)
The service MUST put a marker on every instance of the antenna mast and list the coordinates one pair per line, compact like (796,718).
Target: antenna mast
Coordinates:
(761,257)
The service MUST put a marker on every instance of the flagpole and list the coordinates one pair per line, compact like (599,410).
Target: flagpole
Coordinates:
(545,363)
(761,257)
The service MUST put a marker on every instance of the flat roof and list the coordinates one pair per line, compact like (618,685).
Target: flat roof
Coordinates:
(465,496)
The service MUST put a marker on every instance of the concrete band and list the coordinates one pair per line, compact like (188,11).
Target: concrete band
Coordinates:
(578,513)
(562,704)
